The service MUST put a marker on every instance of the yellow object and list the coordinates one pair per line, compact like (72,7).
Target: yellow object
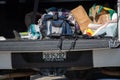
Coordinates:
(106,8)
(89,32)
(23,33)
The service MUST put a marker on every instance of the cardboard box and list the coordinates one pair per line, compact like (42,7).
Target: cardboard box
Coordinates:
(81,17)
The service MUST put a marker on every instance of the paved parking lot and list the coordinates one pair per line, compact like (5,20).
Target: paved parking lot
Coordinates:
(38,77)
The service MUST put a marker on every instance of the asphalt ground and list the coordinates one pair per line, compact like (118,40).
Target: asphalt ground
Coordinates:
(39,77)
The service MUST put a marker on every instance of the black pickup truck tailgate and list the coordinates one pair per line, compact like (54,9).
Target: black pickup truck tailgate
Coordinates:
(45,45)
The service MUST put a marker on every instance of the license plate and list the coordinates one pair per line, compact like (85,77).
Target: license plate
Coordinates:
(54,56)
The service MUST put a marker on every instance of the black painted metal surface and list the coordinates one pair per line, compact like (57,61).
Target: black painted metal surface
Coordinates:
(45,45)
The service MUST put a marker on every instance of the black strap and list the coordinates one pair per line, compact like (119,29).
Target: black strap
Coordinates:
(73,44)
(60,43)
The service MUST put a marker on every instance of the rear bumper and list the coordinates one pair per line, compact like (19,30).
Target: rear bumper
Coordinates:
(36,60)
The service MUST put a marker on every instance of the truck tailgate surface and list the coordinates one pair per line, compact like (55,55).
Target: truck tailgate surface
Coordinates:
(45,45)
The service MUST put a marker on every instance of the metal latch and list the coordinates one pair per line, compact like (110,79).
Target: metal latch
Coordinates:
(114,43)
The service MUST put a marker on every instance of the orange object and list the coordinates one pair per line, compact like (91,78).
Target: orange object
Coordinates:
(89,32)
